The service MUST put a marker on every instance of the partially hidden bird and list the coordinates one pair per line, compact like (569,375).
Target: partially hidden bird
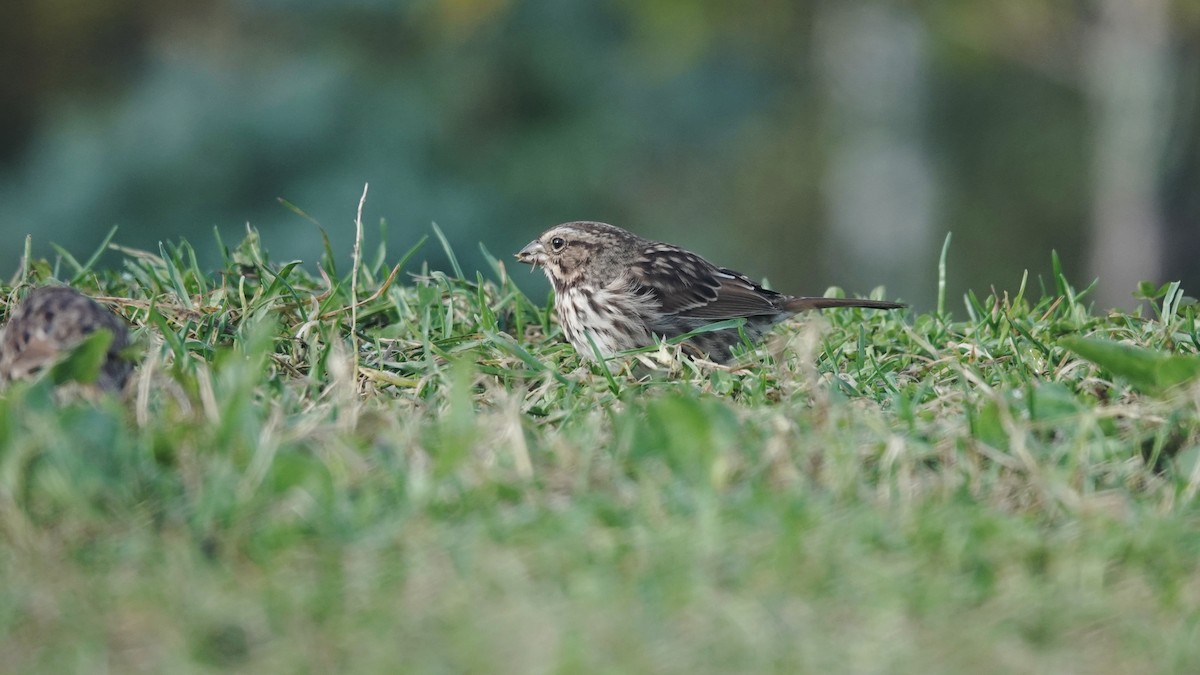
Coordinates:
(618,291)
(50,322)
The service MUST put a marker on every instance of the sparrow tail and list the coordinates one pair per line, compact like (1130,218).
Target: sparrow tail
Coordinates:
(804,304)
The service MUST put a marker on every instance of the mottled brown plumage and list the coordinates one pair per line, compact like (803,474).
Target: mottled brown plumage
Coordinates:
(51,321)
(625,292)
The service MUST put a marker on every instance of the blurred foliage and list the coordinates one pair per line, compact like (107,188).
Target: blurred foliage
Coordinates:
(699,122)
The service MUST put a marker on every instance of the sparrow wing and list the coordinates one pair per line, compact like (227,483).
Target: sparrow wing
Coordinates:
(685,284)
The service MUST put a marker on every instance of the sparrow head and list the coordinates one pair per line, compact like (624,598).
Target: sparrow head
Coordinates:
(52,321)
(580,252)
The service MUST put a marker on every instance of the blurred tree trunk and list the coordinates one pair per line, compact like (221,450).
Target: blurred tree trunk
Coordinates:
(1127,77)
(878,186)
(1181,182)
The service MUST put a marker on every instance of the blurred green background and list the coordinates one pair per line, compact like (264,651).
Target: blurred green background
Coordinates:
(812,143)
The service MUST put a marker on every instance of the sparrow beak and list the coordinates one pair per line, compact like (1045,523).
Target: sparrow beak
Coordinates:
(532,254)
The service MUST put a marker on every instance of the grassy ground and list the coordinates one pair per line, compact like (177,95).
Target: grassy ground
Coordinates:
(873,493)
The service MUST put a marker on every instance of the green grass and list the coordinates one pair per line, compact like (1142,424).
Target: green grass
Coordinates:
(873,492)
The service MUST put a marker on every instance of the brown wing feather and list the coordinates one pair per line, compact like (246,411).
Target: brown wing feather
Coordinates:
(739,296)
(686,284)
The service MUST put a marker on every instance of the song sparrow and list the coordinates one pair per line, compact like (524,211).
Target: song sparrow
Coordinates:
(625,292)
(48,323)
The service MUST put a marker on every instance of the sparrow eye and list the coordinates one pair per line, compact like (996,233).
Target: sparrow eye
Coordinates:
(557,244)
